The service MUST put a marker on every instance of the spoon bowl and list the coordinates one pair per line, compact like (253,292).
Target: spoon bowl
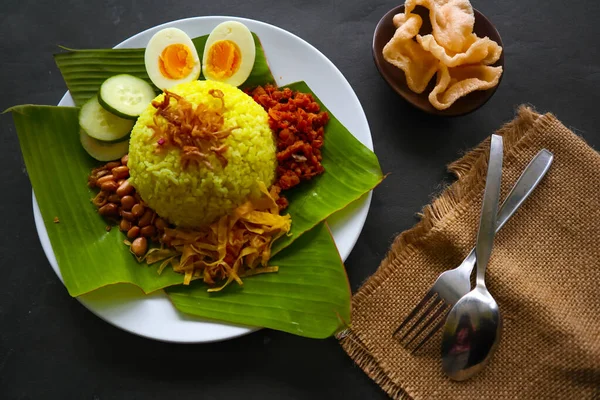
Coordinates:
(471,334)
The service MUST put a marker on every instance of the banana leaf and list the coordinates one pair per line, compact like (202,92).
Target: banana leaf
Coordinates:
(85,70)
(309,296)
(88,256)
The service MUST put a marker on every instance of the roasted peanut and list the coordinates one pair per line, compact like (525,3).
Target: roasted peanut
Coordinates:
(160,224)
(93,178)
(139,246)
(125,225)
(109,186)
(166,239)
(125,159)
(105,178)
(127,202)
(114,198)
(128,215)
(112,164)
(98,169)
(124,189)
(120,172)
(109,210)
(148,231)
(138,210)
(146,219)
(100,199)
(133,232)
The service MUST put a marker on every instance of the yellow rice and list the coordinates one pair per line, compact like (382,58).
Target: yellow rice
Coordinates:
(198,196)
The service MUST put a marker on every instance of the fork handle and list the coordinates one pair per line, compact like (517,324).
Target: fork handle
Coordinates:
(527,182)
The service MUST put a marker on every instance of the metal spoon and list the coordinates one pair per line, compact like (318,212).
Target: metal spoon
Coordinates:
(474,325)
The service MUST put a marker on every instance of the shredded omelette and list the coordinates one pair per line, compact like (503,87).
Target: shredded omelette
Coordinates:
(235,246)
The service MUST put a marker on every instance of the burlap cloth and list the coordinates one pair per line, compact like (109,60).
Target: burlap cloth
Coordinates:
(544,273)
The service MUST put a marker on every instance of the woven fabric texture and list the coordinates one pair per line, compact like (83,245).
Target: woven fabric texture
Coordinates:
(544,273)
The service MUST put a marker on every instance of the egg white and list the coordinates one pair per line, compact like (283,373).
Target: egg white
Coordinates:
(156,45)
(239,34)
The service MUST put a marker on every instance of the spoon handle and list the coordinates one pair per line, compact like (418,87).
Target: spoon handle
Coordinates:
(526,184)
(489,209)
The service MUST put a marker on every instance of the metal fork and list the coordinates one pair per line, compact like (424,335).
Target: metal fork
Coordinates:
(451,285)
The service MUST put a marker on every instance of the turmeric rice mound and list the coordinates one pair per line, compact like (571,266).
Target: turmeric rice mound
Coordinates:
(193,174)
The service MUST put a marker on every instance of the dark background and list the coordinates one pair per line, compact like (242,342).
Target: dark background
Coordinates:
(52,347)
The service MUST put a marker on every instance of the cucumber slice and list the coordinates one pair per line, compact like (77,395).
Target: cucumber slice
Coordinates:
(103,151)
(102,125)
(125,95)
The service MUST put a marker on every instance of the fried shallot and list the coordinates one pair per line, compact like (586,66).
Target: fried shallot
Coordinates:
(196,130)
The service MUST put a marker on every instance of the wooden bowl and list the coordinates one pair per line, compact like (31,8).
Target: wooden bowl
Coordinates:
(395,77)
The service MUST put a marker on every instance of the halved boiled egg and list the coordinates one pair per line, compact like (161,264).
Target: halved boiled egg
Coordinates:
(171,58)
(229,53)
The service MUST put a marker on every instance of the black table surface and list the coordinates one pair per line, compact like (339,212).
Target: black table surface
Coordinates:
(53,347)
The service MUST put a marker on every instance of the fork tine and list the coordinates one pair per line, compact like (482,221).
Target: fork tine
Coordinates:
(437,327)
(436,302)
(432,318)
(414,312)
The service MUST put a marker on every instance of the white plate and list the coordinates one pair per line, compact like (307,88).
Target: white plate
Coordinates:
(291,59)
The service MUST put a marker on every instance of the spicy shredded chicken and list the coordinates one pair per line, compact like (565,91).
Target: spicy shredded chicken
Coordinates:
(196,130)
(235,246)
(298,123)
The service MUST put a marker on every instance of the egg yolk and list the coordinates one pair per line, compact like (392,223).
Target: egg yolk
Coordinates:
(176,61)
(224,58)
